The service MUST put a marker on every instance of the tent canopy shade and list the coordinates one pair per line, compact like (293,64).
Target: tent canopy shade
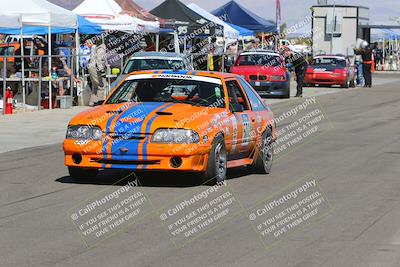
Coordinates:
(229,32)
(243,32)
(238,15)
(187,21)
(84,27)
(39,13)
(10,22)
(132,9)
(110,16)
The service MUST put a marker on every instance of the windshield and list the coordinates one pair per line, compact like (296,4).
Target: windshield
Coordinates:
(260,60)
(329,61)
(194,92)
(153,64)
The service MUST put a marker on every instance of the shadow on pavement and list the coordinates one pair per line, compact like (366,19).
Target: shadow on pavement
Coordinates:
(149,179)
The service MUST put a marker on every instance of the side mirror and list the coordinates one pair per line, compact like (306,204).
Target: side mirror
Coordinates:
(236,108)
(99,103)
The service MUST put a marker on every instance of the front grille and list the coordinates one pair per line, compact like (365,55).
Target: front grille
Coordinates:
(253,77)
(127,137)
(128,162)
(262,77)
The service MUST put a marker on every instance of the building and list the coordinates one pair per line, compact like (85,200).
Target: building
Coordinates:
(335,28)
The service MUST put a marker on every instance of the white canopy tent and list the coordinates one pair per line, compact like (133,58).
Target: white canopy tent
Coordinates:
(10,21)
(229,32)
(39,13)
(109,15)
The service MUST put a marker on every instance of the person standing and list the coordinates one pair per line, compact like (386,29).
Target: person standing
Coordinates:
(97,71)
(366,54)
(300,65)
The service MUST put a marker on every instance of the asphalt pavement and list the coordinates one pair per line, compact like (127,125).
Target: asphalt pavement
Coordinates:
(353,157)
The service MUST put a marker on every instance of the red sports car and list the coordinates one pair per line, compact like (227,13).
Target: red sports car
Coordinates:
(265,71)
(331,70)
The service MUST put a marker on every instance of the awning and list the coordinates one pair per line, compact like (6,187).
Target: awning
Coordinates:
(236,14)
(243,32)
(229,32)
(110,16)
(187,21)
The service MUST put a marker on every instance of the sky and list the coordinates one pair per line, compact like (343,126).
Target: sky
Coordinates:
(293,11)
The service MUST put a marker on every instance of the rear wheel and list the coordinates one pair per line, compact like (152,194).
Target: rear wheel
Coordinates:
(264,155)
(79,173)
(217,161)
(345,85)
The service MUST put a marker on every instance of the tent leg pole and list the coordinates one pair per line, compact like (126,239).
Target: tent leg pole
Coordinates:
(157,42)
(23,70)
(262,40)
(40,84)
(50,69)
(208,54)
(4,83)
(78,45)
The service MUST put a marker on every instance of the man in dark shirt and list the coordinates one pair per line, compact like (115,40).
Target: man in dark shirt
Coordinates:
(366,53)
(300,68)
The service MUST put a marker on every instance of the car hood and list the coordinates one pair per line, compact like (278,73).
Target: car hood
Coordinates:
(145,118)
(254,70)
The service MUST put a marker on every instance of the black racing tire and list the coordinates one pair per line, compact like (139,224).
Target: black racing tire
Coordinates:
(217,161)
(80,173)
(264,154)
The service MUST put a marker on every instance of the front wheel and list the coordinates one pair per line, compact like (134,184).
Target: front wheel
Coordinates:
(79,173)
(264,154)
(217,161)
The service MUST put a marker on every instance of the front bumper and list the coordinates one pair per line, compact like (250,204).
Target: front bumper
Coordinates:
(271,88)
(324,79)
(144,156)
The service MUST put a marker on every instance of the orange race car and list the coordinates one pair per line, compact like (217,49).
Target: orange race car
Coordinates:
(187,121)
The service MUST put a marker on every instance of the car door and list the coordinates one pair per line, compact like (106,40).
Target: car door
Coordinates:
(243,121)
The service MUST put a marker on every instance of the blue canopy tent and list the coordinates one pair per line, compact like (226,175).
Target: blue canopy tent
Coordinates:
(243,32)
(390,34)
(84,27)
(234,13)
(87,27)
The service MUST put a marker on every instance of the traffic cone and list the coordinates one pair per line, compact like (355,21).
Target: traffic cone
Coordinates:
(373,63)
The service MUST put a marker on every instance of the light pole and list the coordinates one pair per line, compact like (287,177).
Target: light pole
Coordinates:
(334,25)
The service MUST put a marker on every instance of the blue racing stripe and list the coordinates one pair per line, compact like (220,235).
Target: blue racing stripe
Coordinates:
(148,128)
(142,111)
(105,143)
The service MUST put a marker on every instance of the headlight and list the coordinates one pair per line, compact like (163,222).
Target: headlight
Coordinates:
(84,132)
(175,136)
(277,78)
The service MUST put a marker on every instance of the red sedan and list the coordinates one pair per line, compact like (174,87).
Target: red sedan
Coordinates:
(331,70)
(265,71)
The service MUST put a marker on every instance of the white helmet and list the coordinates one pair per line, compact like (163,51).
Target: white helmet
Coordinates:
(364,44)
